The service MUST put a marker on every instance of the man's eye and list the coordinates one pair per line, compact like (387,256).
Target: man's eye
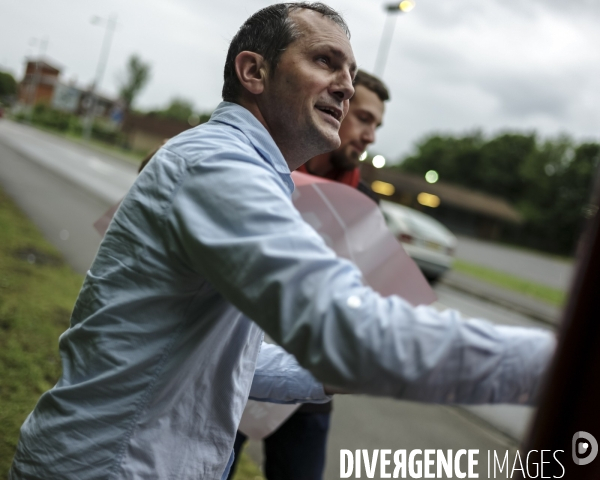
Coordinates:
(323,60)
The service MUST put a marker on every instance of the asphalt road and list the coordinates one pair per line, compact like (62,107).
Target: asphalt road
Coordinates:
(536,267)
(64,188)
(61,186)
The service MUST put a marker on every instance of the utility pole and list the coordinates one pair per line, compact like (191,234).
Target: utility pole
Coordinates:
(111,24)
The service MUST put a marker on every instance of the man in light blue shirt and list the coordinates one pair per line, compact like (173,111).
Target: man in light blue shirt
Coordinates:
(206,250)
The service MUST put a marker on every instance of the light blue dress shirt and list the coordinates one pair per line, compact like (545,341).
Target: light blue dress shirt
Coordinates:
(160,356)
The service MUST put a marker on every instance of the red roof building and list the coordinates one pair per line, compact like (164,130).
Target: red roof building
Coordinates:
(38,82)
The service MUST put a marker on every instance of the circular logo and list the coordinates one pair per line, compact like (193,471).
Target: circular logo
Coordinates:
(585,448)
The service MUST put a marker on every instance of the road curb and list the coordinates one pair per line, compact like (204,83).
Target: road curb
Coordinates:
(519,303)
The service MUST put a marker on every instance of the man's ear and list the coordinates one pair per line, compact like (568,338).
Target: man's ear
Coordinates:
(251,70)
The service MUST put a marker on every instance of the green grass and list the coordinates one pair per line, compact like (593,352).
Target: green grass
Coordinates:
(247,469)
(552,296)
(37,293)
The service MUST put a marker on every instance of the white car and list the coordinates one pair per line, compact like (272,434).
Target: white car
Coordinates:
(427,241)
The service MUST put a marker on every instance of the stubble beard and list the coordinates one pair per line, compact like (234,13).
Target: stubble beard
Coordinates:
(299,141)
(321,141)
(312,140)
(340,160)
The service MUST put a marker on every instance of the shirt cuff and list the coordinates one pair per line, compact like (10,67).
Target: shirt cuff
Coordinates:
(527,358)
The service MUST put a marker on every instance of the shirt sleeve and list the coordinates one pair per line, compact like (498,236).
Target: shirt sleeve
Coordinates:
(279,378)
(232,221)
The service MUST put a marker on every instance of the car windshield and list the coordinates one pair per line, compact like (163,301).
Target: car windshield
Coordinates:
(416,222)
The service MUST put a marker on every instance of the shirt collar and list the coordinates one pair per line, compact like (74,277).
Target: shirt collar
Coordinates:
(241,118)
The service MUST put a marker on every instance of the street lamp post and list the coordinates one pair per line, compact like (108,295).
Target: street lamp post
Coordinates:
(392,10)
(111,23)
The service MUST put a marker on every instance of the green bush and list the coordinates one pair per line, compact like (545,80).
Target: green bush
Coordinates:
(106,133)
(48,117)
(76,126)
(20,116)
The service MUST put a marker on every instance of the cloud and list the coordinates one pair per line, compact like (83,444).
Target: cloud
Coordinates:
(453,66)
(526,96)
(573,8)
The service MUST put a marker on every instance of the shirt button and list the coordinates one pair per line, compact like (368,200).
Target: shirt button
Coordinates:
(353,301)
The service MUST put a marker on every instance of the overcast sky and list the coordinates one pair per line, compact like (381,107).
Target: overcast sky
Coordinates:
(453,66)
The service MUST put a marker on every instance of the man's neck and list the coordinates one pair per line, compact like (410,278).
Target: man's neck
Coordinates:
(293,156)
(254,110)
(319,165)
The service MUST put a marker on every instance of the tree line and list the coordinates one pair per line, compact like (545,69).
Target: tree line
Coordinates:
(548,180)
(134,79)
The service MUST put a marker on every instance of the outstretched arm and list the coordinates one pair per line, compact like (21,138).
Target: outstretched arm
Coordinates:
(250,242)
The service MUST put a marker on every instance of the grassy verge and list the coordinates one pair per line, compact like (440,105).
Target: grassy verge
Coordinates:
(538,291)
(37,293)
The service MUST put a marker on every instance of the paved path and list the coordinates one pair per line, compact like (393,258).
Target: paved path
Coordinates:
(530,265)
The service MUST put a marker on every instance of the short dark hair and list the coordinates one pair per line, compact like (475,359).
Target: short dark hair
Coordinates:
(372,83)
(269,32)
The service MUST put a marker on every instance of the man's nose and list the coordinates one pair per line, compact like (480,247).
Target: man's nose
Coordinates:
(368,134)
(343,88)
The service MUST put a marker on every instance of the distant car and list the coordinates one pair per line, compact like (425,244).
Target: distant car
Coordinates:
(427,241)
